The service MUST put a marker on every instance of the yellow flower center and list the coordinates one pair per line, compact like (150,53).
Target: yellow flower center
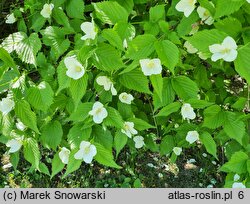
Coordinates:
(151,64)
(98,110)
(87,150)
(124,97)
(225,51)
(206,13)
(78,69)
(191,2)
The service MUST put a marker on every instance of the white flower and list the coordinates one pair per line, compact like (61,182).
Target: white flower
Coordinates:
(128,129)
(107,84)
(187,112)
(248,1)
(64,155)
(151,66)
(20,125)
(89,29)
(186,6)
(192,136)
(238,185)
(205,15)
(10,18)
(139,141)
(15,144)
(204,155)
(190,48)
(126,98)
(47,10)
(226,50)
(6,105)
(177,150)
(236,177)
(86,152)
(75,68)
(98,112)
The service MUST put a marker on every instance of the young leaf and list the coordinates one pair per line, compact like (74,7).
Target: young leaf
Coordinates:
(209,143)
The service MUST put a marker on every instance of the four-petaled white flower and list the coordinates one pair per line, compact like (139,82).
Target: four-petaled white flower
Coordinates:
(47,10)
(6,105)
(151,66)
(89,29)
(128,129)
(15,144)
(238,185)
(205,15)
(187,112)
(190,48)
(75,68)
(192,136)
(177,150)
(64,155)
(227,50)
(139,141)
(186,6)
(10,18)
(86,152)
(98,112)
(107,84)
(20,125)
(126,98)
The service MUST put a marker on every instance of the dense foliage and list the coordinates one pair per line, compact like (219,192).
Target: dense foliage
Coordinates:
(83,80)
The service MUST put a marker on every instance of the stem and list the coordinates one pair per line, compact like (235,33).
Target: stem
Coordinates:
(156,125)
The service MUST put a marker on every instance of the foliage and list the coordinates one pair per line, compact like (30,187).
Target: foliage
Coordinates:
(50,66)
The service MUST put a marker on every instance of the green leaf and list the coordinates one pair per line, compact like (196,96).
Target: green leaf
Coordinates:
(207,37)
(225,7)
(77,134)
(73,164)
(248,166)
(78,88)
(60,17)
(107,58)
(157,13)
(128,4)
(140,124)
(157,83)
(135,80)
(52,134)
(57,165)
(44,169)
(237,163)
(120,141)
(82,112)
(41,96)
(168,53)
(185,87)
(105,157)
(31,152)
(110,12)
(214,117)
(167,145)
(196,103)
(14,159)
(113,38)
(242,63)
(234,128)
(141,47)
(26,115)
(169,109)
(6,58)
(25,47)
(114,118)
(185,25)
(63,79)
(207,4)
(209,143)
(103,137)
(75,8)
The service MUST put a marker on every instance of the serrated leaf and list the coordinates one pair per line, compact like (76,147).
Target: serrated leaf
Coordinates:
(114,118)
(113,38)
(185,87)
(44,169)
(141,47)
(169,109)
(103,137)
(63,79)
(75,8)
(209,143)
(6,58)
(214,117)
(60,17)
(135,80)
(168,53)
(105,157)
(31,152)
(26,115)
(41,96)
(140,124)
(237,163)
(120,141)
(51,135)
(157,83)
(110,12)
(82,112)
(196,103)
(167,145)
(78,88)
(73,164)
(57,165)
